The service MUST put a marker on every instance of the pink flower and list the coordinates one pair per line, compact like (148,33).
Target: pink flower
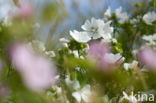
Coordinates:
(101,54)
(25,10)
(98,49)
(4,91)
(148,57)
(37,72)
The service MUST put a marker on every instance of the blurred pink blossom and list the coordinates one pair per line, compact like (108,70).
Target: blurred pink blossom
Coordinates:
(37,72)
(4,91)
(101,54)
(148,57)
(25,10)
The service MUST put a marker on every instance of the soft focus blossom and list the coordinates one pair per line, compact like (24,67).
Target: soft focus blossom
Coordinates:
(50,54)
(40,47)
(149,17)
(83,94)
(98,49)
(37,45)
(108,13)
(150,39)
(148,57)
(122,16)
(7,12)
(37,72)
(130,65)
(25,10)
(64,42)
(74,84)
(4,91)
(101,54)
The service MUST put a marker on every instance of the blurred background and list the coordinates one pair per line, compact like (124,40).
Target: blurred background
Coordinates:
(68,14)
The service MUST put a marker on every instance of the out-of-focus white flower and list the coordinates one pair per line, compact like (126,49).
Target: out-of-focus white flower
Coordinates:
(76,53)
(40,46)
(144,69)
(133,21)
(151,39)
(83,94)
(36,44)
(113,58)
(7,11)
(74,84)
(130,65)
(64,42)
(134,53)
(108,14)
(36,25)
(149,17)
(37,72)
(130,98)
(50,54)
(80,36)
(7,22)
(122,16)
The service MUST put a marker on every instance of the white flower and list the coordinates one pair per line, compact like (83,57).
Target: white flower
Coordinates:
(82,94)
(64,42)
(149,17)
(80,36)
(108,14)
(144,69)
(36,44)
(93,29)
(130,65)
(50,54)
(106,31)
(40,46)
(130,98)
(123,17)
(151,39)
(76,53)
(97,28)
(113,58)
(73,84)
(6,13)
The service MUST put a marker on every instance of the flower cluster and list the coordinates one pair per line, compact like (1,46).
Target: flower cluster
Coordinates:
(106,62)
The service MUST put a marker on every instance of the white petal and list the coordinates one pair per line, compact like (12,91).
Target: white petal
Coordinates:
(80,36)
(86,93)
(77,96)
